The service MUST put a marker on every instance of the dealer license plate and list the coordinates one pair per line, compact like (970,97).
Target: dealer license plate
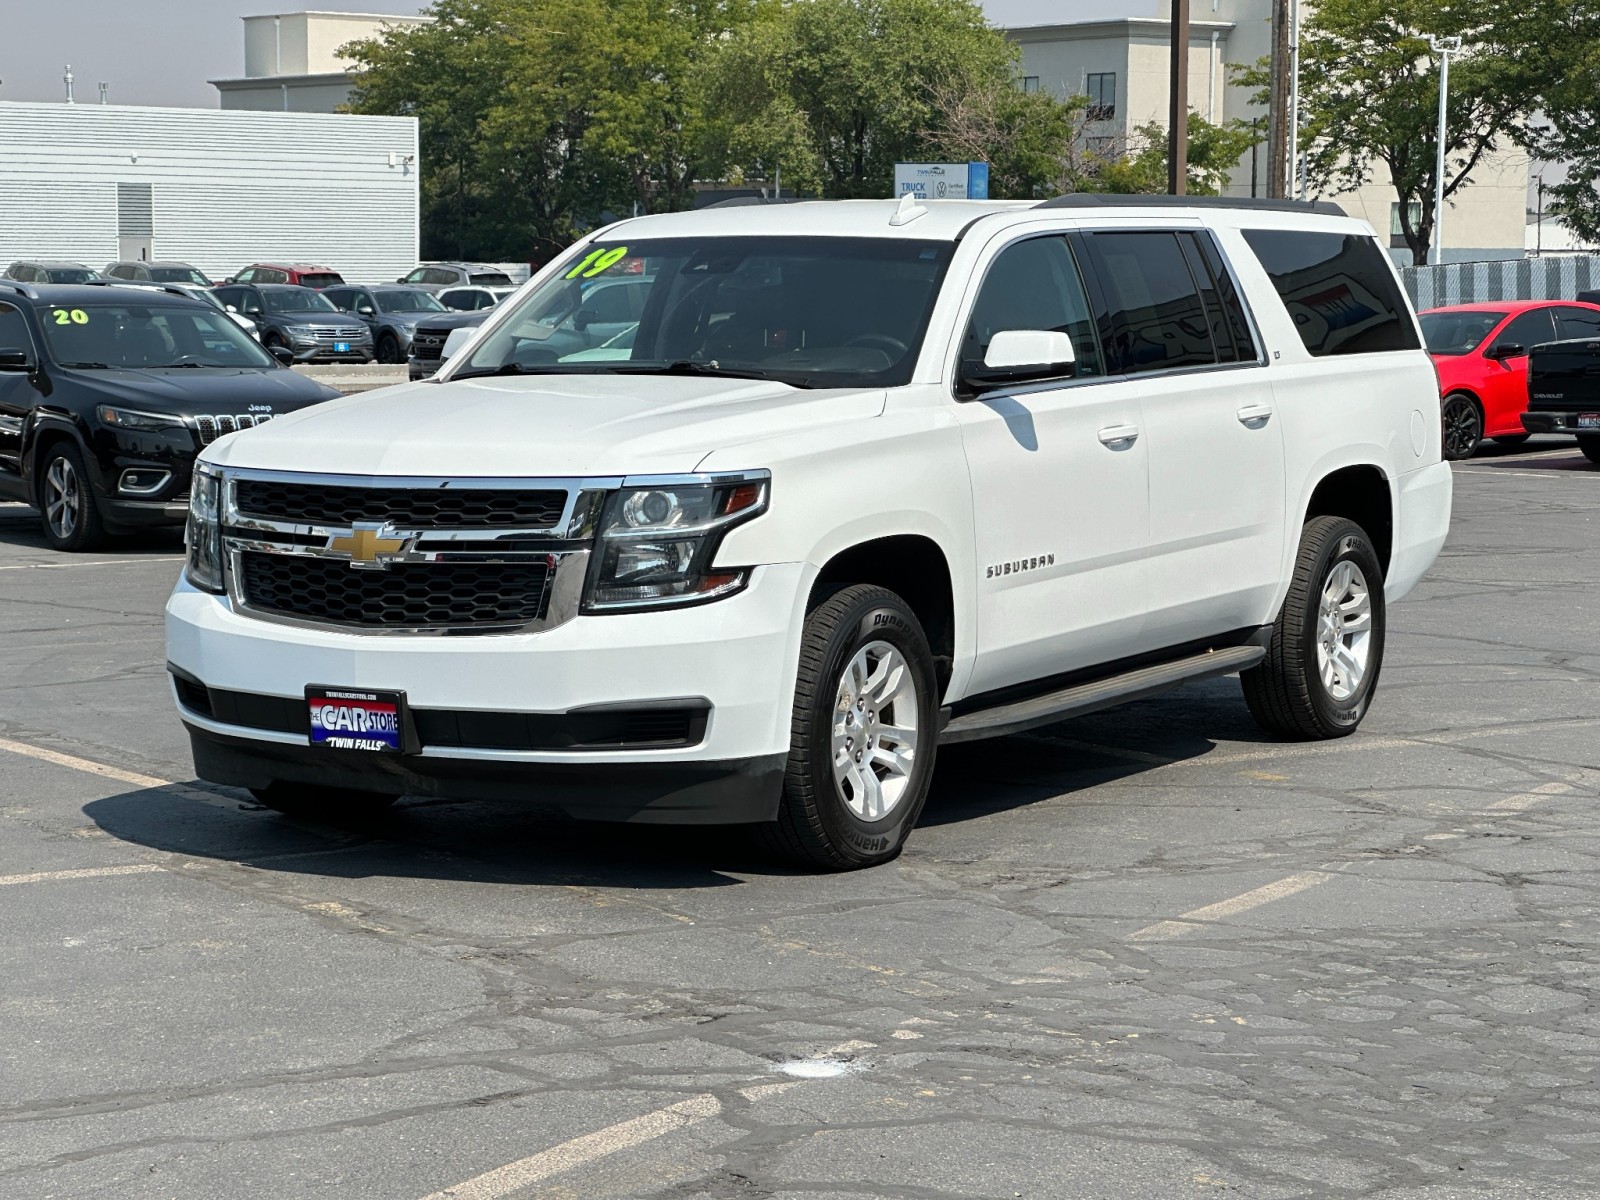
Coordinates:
(1589,420)
(349,719)
(341,347)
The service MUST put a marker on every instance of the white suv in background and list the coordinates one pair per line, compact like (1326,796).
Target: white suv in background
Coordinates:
(865,478)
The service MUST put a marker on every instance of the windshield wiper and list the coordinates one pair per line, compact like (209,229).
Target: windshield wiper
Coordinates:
(686,366)
(510,368)
(175,366)
(94,366)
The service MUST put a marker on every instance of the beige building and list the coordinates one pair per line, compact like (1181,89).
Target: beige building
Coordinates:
(292,63)
(1122,64)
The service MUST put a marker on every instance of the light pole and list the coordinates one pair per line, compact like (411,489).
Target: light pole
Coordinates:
(1294,100)
(1444,47)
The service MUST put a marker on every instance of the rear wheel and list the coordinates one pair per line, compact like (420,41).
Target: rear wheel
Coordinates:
(1590,447)
(1327,643)
(319,803)
(1463,426)
(70,513)
(863,734)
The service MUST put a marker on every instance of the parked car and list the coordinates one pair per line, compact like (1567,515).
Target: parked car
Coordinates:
(1481,354)
(391,312)
(474,297)
(1564,392)
(427,343)
(107,393)
(873,478)
(50,271)
(191,292)
(300,321)
(438,276)
(302,274)
(157,272)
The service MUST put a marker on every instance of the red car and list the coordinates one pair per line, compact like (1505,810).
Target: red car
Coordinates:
(1481,353)
(304,274)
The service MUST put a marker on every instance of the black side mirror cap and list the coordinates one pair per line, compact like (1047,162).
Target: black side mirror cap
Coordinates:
(1507,350)
(282,353)
(15,360)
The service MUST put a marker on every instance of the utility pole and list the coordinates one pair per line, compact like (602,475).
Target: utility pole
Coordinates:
(1278,104)
(1444,47)
(1538,234)
(1178,112)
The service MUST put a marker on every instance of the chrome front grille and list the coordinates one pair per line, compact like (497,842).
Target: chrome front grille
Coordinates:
(327,335)
(428,343)
(211,428)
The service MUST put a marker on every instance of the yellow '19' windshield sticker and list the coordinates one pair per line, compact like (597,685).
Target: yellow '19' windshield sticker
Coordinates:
(72,316)
(596,262)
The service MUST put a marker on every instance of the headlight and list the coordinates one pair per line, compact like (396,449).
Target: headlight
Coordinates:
(203,536)
(298,330)
(657,543)
(135,421)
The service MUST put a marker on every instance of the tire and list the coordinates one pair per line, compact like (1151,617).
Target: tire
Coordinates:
(1590,446)
(831,816)
(1511,440)
(322,803)
(68,510)
(1290,693)
(1462,426)
(272,338)
(389,349)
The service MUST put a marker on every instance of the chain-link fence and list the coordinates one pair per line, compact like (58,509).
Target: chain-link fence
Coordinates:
(1558,277)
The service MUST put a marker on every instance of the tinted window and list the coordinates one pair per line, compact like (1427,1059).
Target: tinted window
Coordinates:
(463,301)
(1577,323)
(178,275)
(121,271)
(408,301)
(293,300)
(420,275)
(491,278)
(1159,319)
(69,275)
(340,298)
(439,275)
(1230,327)
(1034,285)
(1528,330)
(609,305)
(135,334)
(248,275)
(13,330)
(1339,288)
(319,279)
(1456,333)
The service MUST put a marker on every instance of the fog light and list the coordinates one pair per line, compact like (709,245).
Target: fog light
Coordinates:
(143,481)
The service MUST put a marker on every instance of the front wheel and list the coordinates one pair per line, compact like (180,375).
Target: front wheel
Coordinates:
(1463,426)
(318,803)
(70,513)
(389,350)
(1590,446)
(1327,643)
(863,734)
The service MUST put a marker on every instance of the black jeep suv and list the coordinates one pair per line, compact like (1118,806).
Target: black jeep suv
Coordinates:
(107,393)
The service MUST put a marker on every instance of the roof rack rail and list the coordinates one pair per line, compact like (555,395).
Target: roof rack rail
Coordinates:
(148,285)
(746,201)
(20,288)
(1326,208)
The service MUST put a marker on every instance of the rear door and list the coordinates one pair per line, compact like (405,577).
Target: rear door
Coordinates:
(1182,338)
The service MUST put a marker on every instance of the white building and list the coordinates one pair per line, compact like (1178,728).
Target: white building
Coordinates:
(292,61)
(1122,64)
(219,190)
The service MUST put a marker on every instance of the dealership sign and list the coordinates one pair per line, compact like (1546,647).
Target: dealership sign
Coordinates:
(942,181)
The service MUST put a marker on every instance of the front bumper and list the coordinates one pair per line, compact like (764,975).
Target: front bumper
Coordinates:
(1556,422)
(739,654)
(325,354)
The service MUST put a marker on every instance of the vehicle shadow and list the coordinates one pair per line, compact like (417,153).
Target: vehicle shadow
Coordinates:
(19,527)
(507,843)
(1539,453)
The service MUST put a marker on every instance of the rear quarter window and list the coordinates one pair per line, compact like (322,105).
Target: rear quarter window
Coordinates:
(1338,288)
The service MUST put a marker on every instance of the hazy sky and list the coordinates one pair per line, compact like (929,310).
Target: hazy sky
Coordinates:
(164,51)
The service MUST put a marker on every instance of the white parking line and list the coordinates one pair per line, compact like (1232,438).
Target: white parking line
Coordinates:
(1243,902)
(1522,803)
(83,764)
(80,873)
(580,1151)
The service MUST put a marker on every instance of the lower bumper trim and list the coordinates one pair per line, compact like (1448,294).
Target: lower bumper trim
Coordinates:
(708,792)
(1555,422)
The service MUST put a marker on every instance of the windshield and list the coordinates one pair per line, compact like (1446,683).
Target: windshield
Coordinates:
(490,278)
(809,311)
(1455,333)
(70,274)
(136,334)
(296,300)
(179,275)
(407,301)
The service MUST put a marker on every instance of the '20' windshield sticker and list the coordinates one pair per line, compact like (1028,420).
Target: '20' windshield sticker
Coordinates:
(70,316)
(596,262)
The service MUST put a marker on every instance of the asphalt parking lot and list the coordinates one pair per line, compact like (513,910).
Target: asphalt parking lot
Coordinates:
(1142,954)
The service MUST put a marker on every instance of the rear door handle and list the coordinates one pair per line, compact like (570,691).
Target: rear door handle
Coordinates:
(1251,413)
(1118,436)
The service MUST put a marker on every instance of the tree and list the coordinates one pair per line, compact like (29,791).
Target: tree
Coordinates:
(835,92)
(1030,140)
(1370,86)
(1570,132)
(1214,150)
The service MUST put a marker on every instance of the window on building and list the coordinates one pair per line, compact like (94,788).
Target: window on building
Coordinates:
(1030,83)
(1397,235)
(1102,90)
(1339,288)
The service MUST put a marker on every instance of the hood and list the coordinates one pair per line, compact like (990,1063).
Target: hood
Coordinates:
(192,391)
(530,427)
(315,318)
(456,320)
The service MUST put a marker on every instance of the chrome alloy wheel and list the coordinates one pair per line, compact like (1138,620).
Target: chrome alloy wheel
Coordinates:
(63,498)
(875,731)
(1344,631)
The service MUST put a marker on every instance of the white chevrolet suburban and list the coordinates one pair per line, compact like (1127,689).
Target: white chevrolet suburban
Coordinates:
(851,481)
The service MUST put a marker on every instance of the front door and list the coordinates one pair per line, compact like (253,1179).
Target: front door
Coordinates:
(1505,376)
(1060,482)
(16,394)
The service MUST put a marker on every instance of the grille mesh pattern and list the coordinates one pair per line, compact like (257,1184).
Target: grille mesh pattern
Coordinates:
(409,508)
(428,343)
(211,428)
(409,596)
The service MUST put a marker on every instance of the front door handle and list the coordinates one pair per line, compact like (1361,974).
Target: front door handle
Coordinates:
(1252,413)
(1119,436)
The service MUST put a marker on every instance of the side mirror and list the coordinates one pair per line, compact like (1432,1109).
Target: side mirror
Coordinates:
(282,353)
(1017,356)
(456,339)
(366,310)
(1507,350)
(230,308)
(15,360)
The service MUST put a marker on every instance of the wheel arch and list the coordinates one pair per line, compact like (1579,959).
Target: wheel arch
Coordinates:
(1361,493)
(914,567)
(45,433)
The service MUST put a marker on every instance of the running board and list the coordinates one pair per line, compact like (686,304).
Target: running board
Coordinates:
(1101,693)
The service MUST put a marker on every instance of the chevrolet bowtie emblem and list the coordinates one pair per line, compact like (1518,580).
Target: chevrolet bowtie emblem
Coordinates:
(367,546)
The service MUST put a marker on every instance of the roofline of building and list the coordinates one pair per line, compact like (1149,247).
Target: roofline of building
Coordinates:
(231,113)
(248,81)
(1123,25)
(329,12)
